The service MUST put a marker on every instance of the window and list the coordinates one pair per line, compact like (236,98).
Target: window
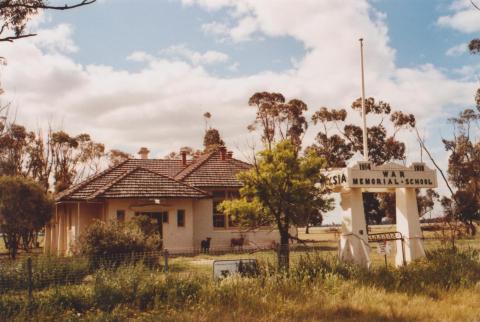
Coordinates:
(233,195)
(220,220)
(121,215)
(218,194)
(218,217)
(181,218)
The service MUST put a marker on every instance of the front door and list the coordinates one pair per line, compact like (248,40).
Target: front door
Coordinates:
(158,218)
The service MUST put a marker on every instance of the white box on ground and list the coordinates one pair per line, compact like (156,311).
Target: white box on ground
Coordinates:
(224,268)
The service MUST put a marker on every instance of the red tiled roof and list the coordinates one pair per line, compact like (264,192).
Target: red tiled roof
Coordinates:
(207,171)
(90,185)
(211,171)
(144,183)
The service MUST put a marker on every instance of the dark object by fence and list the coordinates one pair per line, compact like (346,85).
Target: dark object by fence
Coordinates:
(237,242)
(205,245)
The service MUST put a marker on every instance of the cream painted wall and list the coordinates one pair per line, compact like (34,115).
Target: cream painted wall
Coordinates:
(203,224)
(174,237)
(198,224)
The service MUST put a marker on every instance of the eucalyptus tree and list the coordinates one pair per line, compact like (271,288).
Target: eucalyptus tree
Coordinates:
(280,189)
(338,140)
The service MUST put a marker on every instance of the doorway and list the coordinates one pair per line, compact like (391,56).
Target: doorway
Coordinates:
(158,219)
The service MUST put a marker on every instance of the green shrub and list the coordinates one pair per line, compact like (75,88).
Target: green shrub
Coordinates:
(144,288)
(60,299)
(443,269)
(114,243)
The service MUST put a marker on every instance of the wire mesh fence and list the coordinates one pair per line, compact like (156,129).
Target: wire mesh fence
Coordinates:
(42,271)
(38,272)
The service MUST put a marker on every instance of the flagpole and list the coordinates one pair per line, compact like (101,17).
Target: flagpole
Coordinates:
(364,112)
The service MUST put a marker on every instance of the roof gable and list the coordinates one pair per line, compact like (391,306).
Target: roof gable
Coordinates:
(90,185)
(212,171)
(143,183)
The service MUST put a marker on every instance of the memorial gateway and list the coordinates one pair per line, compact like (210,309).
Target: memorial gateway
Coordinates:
(351,182)
(364,177)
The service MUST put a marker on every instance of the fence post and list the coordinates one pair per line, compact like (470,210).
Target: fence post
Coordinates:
(29,279)
(165,257)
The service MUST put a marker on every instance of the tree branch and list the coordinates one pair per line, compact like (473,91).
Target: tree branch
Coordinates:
(473,4)
(12,38)
(422,144)
(29,6)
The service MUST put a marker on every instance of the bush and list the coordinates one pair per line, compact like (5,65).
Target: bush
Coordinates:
(443,269)
(25,210)
(143,288)
(114,243)
(135,287)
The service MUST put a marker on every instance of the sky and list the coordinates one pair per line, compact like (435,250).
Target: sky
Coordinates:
(138,73)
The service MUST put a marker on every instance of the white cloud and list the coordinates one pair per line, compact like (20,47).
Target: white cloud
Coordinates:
(219,30)
(161,106)
(465,17)
(140,56)
(209,57)
(457,50)
(58,38)
(244,29)
(234,67)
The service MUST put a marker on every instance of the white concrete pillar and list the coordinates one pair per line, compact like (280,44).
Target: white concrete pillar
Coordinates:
(408,224)
(354,239)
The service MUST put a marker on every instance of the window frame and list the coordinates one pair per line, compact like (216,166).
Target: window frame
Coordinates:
(181,213)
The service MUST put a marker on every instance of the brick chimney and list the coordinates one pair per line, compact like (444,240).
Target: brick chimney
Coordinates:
(230,155)
(144,153)
(223,153)
(183,153)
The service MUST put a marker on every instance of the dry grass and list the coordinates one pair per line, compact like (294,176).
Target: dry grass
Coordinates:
(276,298)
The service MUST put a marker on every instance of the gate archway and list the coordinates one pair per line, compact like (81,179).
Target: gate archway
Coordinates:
(352,182)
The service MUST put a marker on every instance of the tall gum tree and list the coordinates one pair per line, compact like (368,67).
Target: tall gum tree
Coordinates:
(338,140)
(464,169)
(279,190)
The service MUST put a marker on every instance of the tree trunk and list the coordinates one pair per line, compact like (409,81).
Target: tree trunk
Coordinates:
(307,229)
(283,252)
(472,231)
(11,241)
